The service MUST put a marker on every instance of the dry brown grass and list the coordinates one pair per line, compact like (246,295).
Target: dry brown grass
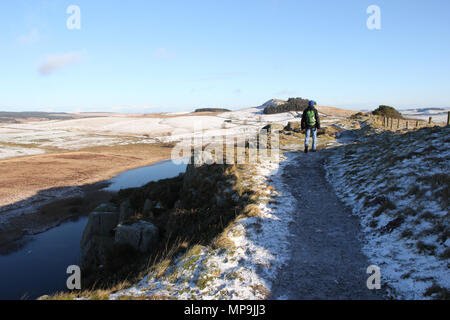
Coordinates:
(92,294)
(222,241)
(252,210)
(333,111)
(25,177)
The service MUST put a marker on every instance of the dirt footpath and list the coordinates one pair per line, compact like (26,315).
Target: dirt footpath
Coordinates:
(326,260)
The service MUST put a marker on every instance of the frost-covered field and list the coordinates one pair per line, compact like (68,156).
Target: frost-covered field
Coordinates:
(398,184)
(33,138)
(43,136)
(12,152)
(38,137)
(438,115)
(246,270)
(36,140)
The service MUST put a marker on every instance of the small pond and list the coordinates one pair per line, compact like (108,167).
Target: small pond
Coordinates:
(39,266)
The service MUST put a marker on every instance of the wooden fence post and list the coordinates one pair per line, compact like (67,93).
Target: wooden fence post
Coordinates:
(429,120)
(406,125)
(398,123)
(392,123)
(448,118)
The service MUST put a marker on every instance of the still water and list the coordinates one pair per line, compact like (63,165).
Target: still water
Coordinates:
(141,176)
(39,266)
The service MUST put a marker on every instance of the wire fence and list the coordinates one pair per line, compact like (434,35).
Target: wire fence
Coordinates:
(407,124)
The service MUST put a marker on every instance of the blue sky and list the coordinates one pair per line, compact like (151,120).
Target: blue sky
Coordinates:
(153,56)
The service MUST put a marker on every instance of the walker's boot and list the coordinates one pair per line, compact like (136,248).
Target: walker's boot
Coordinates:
(306,149)
(314,150)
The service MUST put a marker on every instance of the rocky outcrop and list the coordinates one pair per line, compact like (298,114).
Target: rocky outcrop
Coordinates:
(104,230)
(273,127)
(98,236)
(293,104)
(141,235)
(126,212)
(101,222)
(148,207)
(293,126)
(139,218)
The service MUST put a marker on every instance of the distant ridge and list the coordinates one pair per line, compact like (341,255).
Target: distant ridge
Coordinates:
(212,110)
(34,114)
(17,117)
(430,109)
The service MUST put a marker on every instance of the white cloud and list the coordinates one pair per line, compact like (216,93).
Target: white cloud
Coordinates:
(52,63)
(32,37)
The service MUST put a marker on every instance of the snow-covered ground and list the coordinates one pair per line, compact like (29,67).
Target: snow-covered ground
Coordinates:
(121,129)
(244,272)
(29,138)
(438,115)
(398,185)
(12,152)
(40,137)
